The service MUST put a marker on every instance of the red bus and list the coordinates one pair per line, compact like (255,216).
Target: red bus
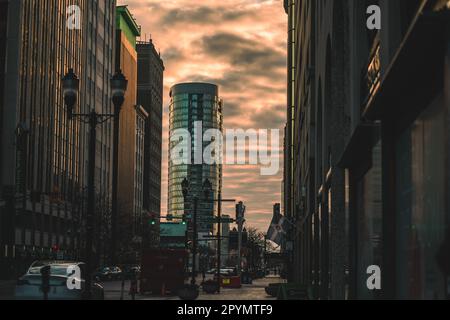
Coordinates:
(163,270)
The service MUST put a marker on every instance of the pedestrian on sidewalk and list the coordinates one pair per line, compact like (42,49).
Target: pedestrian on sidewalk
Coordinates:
(133,285)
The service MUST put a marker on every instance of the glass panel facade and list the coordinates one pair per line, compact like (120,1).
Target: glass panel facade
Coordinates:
(189,104)
(421,206)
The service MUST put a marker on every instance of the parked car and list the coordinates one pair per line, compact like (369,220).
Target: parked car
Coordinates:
(115,273)
(30,285)
(227,271)
(211,271)
(223,271)
(102,274)
(129,271)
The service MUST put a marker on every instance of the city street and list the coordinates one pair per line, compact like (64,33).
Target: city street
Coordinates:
(247,292)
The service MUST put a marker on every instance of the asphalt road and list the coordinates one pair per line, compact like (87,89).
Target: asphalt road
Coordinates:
(247,292)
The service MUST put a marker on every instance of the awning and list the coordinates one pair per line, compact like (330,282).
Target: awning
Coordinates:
(360,145)
(416,73)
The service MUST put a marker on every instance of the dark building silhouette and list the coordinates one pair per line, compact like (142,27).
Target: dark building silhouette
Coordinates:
(366,147)
(150,97)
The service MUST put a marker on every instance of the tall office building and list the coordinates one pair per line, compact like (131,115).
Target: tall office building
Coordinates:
(191,103)
(150,97)
(44,155)
(131,140)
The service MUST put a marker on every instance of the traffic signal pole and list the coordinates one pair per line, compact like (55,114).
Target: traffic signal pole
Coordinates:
(239,246)
(219,235)
(265,255)
(194,242)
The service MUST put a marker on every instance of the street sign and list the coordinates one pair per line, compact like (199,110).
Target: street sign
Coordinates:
(216,220)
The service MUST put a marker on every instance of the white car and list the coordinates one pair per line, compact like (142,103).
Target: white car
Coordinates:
(29,286)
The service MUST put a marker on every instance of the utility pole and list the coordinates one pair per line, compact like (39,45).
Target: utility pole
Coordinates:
(265,255)
(219,235)
(240,211)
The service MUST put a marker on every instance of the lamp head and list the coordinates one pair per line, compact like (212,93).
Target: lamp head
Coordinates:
(70,87)
(119,86)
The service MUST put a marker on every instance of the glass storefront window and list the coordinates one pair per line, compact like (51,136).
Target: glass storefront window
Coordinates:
(421,206)
(369,223)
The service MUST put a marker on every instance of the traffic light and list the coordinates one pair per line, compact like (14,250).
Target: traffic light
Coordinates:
(152,219)
(186,218)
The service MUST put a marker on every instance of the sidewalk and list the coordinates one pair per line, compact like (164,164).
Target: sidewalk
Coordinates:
(7,289)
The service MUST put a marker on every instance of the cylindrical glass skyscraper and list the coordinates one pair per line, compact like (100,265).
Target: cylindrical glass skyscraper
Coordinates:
(190,104)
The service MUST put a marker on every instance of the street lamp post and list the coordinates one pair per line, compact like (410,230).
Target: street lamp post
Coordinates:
(118,83)
(70,85)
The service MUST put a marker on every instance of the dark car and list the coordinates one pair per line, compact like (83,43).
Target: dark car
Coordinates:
(131,271)
(115,273)
(29,286)
(102,274)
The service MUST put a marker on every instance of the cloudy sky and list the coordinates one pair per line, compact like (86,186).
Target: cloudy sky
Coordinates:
(241,46)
